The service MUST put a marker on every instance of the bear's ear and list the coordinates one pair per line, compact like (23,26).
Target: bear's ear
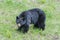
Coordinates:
(17,17)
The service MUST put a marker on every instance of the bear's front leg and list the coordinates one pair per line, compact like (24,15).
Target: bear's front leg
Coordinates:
(28,21)
(26,28)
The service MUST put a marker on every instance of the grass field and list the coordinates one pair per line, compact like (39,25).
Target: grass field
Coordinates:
(9,9)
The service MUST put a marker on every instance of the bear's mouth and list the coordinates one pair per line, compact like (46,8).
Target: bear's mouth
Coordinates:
(19,25)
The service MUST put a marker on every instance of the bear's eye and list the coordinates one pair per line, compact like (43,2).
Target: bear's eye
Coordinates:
(21,18)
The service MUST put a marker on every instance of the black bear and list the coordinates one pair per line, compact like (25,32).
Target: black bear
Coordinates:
(34,16)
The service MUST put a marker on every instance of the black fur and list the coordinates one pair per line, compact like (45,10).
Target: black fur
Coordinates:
(34,16)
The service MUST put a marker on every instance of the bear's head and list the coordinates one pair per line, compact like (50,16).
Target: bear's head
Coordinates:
(20,21)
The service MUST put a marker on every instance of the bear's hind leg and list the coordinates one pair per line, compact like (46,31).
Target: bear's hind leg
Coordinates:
(42,26)
(36,25)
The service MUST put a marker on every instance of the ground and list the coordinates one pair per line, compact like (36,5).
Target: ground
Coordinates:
(9,9)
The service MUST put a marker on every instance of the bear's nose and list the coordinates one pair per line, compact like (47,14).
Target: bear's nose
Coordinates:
(19,25)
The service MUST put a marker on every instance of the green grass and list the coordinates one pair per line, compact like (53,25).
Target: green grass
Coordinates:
(9,9)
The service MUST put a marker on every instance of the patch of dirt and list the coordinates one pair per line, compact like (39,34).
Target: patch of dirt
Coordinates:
(53,37)
(1,12)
